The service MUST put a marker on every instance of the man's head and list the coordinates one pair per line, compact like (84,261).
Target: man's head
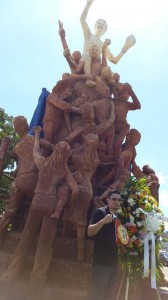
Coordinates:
(114,200)
(65,75)
(21,125)
(100,27)
(133,137)
(148,170)
(106,73)
(87,112)
(91,141)
(76,55)
(94,51)
(116,77)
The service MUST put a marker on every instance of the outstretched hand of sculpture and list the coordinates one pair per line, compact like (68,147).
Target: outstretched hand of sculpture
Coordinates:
(90,39)
(61,30)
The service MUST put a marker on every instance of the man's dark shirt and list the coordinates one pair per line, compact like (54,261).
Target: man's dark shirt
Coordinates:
(105,248)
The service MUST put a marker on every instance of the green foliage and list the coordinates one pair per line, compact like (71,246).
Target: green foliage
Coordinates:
(7,129)
(136,196)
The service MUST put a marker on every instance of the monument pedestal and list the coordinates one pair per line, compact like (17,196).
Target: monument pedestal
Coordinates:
(67,278)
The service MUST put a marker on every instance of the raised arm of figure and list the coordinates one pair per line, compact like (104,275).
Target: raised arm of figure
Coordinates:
(86,29)
(62,35)
(135,104)
(38,158)
(106,43)
(129,42)
(69,59)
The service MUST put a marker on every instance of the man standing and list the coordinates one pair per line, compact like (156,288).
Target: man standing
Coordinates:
(102,229)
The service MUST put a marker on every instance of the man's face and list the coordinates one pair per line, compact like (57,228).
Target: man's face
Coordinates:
(94,51)
(76,55)
(106,73)
(100,27)
(114,202)
(20,125)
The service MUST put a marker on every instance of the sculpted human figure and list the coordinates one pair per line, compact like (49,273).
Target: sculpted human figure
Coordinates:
(126,157)
(88,123)
(117,184)
(55,105)
(91,39)
(52,170)
(128,154)
(26,173)
(86,161)
(149,174)
(73,60)
(122,107)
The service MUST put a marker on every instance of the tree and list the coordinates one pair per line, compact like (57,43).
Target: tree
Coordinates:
(7,129)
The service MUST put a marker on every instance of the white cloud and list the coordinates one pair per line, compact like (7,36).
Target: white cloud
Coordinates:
(162,178)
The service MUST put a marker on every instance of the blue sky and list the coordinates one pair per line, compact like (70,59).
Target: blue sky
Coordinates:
(31,58)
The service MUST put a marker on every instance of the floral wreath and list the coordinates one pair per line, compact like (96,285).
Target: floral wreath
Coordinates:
(137,195)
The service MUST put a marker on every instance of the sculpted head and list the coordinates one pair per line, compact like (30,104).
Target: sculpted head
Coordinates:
(21,126)
(76,55)
(92,140)
(94,51)
(87,111)
(62,151)
(100,27)
(106,73)
(147,170)
(133,137)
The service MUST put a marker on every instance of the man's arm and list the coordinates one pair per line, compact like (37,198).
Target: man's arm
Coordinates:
(130,42)
(46,144)
(106,43)
(72,185)
(53,99)
(86,29)
(62,35)
(93,229)
(36,150)
(112,117)
(135,104)
(112,58)
(69,59)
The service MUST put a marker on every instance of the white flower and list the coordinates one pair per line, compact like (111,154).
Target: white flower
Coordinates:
(131,201)
(139,224)
(137,211)
(134,237)
(125,193)
(120,210)
(138,193)
(131,219)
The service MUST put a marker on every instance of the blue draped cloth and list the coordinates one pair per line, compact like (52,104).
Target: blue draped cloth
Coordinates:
(37,119)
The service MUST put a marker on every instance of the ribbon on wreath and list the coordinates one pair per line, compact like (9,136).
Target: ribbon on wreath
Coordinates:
(152,224)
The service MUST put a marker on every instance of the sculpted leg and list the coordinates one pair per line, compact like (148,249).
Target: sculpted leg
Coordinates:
(80,239)
(44,249)
(10,211)
(118,140)
(31,227)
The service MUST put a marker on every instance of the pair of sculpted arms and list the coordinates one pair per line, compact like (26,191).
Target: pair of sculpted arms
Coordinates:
(94,39)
